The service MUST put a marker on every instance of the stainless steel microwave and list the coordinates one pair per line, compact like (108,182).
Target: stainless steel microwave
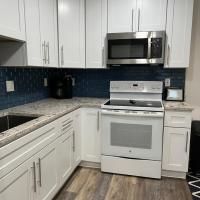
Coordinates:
(136,48)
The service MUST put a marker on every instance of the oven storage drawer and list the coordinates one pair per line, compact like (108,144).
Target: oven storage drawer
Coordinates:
(178,119)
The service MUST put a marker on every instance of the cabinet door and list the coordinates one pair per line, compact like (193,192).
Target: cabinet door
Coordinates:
(176,149)
(47,172)
(122,16)
(65,157)
(17,184)
(12,23)
(148,12)
(33,42)
(178,30)
(90,135)
(48,27)
(96,29)
(71,20)
(77,138)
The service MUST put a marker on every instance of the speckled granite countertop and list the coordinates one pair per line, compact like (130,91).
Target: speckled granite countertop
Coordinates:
(177,106)
(48,110)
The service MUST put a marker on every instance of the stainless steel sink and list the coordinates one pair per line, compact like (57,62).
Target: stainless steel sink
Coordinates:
(10,121)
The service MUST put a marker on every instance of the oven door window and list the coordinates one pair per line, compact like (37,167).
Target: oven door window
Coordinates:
(128,49)
(131,135)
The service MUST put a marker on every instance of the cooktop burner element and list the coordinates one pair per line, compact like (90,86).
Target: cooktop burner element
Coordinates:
(133,103)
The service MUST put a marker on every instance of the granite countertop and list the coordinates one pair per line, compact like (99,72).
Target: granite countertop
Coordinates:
(177,106)
(47,111)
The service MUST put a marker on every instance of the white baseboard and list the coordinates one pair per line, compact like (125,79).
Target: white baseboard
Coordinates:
(133,167)
(90,164)
(173,174)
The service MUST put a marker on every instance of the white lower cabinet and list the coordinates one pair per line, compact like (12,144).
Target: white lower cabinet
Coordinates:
(77,138)
(64,153)
(91,135)
(176,143)
(176,149)
(47,172)
(17,184)
(63,144)
(34,179)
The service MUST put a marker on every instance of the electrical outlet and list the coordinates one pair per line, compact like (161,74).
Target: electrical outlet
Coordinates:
(10,86)
(45,82)
(167,82)
(73,81)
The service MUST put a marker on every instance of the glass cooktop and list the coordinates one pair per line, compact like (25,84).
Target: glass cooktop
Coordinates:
(134,103)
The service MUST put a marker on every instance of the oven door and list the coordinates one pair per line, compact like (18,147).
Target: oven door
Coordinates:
(132,134)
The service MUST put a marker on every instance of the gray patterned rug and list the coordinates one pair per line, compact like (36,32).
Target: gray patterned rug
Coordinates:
(194,185)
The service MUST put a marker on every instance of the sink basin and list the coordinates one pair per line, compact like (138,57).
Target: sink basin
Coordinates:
(10,121)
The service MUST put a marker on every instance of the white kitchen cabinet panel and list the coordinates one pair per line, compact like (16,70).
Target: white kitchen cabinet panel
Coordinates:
(96,30)
(122,16)
(91,135)
(48,29)
(65,157)
(12,23)
(17,184)
(33,40)
(77,138)
(176,149)
(71,23)
(47,172)
(152,15)
(178,31)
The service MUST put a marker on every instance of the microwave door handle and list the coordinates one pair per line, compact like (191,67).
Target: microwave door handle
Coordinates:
(149,48)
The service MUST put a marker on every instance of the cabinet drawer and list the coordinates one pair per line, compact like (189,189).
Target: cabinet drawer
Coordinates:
(66,123)
(178,119)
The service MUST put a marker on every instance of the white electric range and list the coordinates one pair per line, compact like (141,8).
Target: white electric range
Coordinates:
(132,129)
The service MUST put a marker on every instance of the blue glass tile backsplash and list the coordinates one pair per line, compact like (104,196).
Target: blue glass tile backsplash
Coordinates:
(29,82)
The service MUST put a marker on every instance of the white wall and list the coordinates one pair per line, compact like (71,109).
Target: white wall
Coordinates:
(193,72)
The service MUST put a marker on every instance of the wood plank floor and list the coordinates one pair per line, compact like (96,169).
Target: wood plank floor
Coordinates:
(91,184)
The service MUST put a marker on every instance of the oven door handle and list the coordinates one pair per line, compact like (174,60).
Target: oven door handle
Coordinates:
(133,114)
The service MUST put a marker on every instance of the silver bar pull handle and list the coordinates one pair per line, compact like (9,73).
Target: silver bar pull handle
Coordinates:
(73,141)
(168,55)
(132,19)
(40,172)
(44,51)
(186,145)
(48,55)
(34,177)
(62,55)
(98,118)
(138,19)
(149,47)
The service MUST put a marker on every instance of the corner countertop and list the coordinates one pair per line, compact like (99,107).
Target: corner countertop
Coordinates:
(47,111)
(177,106)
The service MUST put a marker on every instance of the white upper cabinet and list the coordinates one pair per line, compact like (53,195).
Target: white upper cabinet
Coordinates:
(178,30)
(12,19)
(48,28)
(71,19)
(152,15)
(121,16)
(33,40)
(136,15)
(96,30)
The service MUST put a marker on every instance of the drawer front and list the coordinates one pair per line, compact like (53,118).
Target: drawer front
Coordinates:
(178,119)
(66,123)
